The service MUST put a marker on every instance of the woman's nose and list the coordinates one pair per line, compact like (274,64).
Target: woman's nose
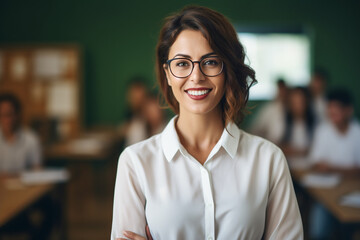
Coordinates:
(196,74)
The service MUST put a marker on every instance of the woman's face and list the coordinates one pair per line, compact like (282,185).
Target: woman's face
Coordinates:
(196,93)
(297,103)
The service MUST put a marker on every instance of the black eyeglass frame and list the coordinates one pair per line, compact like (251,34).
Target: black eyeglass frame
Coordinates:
(168,62)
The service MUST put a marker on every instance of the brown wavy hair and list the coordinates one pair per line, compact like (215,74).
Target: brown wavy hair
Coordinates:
(223,39)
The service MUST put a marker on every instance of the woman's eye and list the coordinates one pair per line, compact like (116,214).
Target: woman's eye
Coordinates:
(182,64)
(211,62)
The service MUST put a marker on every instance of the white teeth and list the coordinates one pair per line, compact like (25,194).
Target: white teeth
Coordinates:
(198,93)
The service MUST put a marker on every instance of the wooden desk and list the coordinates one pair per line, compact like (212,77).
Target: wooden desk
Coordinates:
(14,201)
(88,153)
(330,197)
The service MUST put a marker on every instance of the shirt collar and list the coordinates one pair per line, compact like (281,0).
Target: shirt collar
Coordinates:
(170,142)
(230,139)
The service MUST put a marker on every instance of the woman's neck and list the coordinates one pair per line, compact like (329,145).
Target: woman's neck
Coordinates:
(200,131)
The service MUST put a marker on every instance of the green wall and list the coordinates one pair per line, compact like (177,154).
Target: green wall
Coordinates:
(118,38)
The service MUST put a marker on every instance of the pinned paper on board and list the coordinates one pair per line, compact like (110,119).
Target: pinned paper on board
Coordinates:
(50,64)
(62,99)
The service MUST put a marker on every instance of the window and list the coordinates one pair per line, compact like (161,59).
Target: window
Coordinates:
(274,56)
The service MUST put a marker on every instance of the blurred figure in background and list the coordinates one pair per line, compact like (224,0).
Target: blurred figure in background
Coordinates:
(270,122)
(299,124)
(318,83)
(336,148)
(337,142)
(19,147)
(20,150)
(154,116)
(135,128)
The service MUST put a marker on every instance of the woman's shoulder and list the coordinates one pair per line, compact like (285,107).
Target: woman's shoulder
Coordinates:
(263,154)
(256,141)
(258,146)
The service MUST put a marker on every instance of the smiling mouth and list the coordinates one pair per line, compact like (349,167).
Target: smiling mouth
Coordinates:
(198,92)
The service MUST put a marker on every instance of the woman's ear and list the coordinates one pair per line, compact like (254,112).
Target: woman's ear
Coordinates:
(166,70)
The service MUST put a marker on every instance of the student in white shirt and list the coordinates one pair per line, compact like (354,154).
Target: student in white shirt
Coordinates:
(203,177)
(336,148)
(337,142)
(19,147)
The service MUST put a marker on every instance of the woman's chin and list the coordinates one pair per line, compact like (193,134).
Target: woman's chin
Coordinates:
(199,110)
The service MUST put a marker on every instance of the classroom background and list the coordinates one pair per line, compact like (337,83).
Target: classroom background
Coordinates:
(82,71)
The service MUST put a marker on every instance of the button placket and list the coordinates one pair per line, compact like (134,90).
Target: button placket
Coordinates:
(209,204)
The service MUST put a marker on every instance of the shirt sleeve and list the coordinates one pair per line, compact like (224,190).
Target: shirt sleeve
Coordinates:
(129,200)
(283,220)
(318,148)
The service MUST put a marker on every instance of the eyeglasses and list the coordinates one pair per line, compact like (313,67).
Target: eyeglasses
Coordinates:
(183,67)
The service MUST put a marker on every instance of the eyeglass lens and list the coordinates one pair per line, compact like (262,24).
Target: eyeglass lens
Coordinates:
(183,67)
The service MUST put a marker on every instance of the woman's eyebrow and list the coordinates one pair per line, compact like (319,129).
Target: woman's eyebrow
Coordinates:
(182,55)
(188,56)
(208,54)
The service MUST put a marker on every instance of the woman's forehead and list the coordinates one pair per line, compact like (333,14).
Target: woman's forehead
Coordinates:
(191,43)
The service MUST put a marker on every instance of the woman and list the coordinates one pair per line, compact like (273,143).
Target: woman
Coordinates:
(203,177)
(300,124)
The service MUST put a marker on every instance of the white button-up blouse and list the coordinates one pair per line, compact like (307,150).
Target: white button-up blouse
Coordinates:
(243,190)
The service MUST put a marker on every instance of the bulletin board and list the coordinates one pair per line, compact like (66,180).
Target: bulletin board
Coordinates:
(47,81)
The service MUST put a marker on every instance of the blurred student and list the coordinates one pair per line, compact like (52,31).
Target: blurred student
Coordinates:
(318,83)
(154,116)
(136,129)
(19,147)
(270,122)
(299,124)
(20,150)
(337,142)
(336,148)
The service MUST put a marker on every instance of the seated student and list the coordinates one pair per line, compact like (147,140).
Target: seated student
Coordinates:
(337,143)
(336,148)
(270,122)
(20,150)
(19,147)
(299,124)
(154,116)
(135,129)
